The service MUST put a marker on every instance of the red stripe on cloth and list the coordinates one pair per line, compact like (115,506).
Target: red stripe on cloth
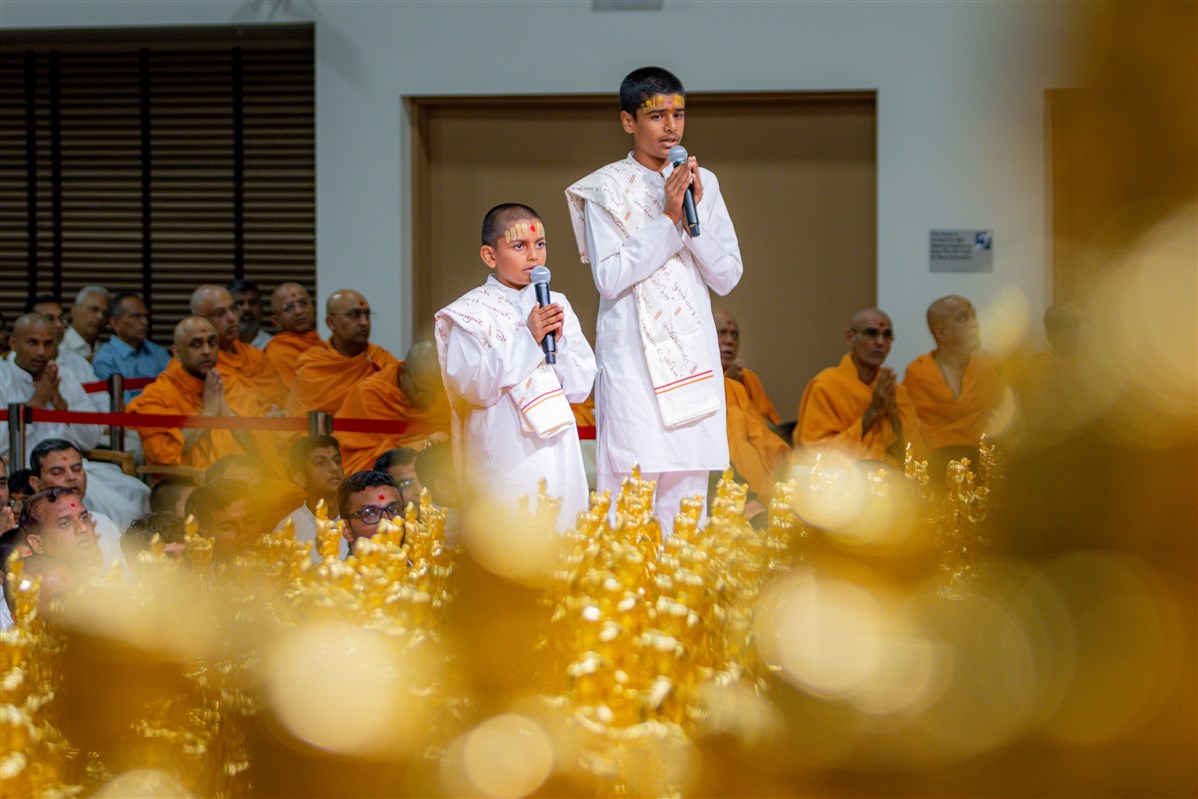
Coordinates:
(683,383)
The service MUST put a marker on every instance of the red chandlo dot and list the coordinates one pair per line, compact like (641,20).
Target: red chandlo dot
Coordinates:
(533,228)
(381,497)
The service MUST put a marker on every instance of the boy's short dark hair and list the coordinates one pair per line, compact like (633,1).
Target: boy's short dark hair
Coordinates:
(360,481)
(9,541)
(167,526)
(400,455)
(502,217)
(643,83)
(212,498)
(19,482)
(165,493)
(302,449)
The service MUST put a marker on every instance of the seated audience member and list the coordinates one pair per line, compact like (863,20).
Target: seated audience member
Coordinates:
(728,332)
(293,313)
(8,519)
(316,468)
(89,320)
(400,463)
(858,408)
(55,522)
(170,494)
(57,463)
(225,511)
(169,528)
(436,471)
(19,489)
(71,365)
(32,375)
(325,374)
(243,368)
(408,391)
(193,384)
(129,352)
(275,498)
(247,301)
(12,545)
(364,499)
(955,388)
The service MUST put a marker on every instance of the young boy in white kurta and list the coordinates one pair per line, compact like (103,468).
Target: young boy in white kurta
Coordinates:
(512,422)
(659,397)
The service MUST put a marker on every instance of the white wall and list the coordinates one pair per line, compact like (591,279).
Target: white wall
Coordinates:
(960,109)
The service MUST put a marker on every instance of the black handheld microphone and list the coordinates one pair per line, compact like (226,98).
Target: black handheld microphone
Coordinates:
(540,283)
(678,156)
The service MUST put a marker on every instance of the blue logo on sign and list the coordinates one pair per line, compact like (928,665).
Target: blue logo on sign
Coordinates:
(982,240)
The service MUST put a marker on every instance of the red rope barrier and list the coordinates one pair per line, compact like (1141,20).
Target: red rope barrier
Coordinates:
(285,423)
(131,384)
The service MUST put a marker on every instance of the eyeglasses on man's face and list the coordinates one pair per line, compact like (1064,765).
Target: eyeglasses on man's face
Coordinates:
(371,514)
(874,332)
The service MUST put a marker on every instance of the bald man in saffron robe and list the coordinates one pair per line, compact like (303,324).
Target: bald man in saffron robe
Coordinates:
(858,408)
(193,384)
(956,388)
(294,314)
(410,391)
(242,367)
(325,374)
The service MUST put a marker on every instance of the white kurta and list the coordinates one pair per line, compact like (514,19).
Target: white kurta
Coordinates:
(16,385)
(304,521)
(497,454)
(630,427)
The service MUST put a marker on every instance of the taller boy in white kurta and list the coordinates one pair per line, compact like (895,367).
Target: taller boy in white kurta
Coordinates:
(659,398)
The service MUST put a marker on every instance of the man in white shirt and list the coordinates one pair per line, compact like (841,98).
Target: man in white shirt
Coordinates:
(89,318)
(316,468)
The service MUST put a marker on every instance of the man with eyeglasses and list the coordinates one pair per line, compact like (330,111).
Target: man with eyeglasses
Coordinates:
(364,500)
(241,367)
(858,408)
(325,374)
(956,389)
(130,352)
(292,311)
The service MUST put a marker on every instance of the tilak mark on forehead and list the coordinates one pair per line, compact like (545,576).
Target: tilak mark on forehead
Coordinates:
(523,230)
(658,102)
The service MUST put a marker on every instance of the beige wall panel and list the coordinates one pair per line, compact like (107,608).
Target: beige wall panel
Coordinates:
(798,173)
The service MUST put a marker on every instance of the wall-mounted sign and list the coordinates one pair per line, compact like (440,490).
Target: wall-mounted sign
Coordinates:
(961,250)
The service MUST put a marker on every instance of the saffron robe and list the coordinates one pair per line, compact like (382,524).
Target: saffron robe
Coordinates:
(757,395)
(323,377)
(177,391)
(286,348)
(754,449)
(380,397)
(948,421)
(830,417)
(247,370)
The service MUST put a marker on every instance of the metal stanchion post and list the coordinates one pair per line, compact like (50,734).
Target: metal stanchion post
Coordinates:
(18,417)
(116,403)
(320,423)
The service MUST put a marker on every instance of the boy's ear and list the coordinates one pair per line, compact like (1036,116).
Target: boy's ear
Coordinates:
(487,253)
(628,121)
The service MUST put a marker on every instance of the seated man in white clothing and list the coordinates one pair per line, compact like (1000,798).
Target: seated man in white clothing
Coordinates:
(316,468)
(57,463)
